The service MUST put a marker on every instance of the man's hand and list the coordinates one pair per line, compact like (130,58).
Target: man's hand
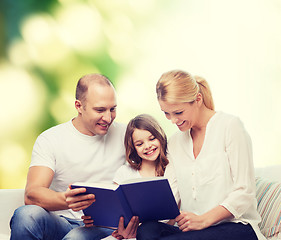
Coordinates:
(130,231)
(78,202)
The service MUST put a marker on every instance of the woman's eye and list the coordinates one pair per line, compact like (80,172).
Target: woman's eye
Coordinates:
(178,113)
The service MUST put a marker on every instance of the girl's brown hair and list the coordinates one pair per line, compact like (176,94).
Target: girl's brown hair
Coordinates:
(148,123)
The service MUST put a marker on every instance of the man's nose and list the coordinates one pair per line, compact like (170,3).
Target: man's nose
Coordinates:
(107,116)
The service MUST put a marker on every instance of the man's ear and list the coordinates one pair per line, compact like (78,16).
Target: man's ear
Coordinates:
(78,105)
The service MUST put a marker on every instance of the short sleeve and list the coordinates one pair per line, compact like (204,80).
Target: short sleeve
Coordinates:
(42,153)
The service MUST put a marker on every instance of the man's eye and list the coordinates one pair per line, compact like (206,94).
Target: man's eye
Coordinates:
(113,110)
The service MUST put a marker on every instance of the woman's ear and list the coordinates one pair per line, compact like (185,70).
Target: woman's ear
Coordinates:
(199,97)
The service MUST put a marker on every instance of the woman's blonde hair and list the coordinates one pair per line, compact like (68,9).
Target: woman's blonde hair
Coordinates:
(148,123)
(181,87)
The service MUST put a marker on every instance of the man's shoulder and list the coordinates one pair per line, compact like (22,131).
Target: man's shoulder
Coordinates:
(117,127)
(56,130)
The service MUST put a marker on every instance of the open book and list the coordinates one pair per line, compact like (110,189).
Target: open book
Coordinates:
(148,198)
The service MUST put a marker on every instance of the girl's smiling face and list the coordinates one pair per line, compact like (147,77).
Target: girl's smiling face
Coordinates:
(146,145)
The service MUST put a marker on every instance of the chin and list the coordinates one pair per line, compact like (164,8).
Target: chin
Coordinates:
(184,128)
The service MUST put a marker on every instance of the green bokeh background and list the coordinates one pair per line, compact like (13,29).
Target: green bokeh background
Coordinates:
(46,46)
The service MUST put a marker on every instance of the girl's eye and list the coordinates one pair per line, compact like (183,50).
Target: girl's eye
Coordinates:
(138,144)
(152,138)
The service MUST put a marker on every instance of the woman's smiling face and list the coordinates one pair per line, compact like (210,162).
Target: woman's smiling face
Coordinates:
(184,115)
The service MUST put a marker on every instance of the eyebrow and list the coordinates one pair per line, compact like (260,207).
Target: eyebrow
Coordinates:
(102,108)
(138,140)
(176,111)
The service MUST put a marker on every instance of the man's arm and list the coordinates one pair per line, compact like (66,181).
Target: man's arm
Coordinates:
(37,190)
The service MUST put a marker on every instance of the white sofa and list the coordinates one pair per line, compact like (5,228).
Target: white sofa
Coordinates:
(268,195)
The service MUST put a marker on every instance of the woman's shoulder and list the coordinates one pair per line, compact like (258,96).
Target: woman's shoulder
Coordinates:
(222,118)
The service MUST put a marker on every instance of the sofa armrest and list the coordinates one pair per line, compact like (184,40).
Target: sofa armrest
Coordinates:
(10,199)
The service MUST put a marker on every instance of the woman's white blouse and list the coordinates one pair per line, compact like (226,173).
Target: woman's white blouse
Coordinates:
(223,172)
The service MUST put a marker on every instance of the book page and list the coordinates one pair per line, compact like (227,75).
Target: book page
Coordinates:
(143,179)
(111,186)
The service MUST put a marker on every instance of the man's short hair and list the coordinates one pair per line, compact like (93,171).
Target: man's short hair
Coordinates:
(85,81)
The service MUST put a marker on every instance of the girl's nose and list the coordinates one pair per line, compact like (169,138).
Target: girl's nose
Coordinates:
(147,145)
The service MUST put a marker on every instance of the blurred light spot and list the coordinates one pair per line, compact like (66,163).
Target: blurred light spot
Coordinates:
(120,32)
(80,26)
(21,96)
(18,54)
(62,108)
(143,6)
(12,158)
(41,34)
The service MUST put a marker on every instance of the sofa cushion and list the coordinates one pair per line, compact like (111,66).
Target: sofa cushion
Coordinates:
(269,206)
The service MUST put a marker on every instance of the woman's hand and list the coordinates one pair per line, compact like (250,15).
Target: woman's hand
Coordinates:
(77,201)
(188,221)
(88,221)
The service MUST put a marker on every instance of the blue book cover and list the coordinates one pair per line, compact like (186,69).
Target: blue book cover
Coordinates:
(148,198)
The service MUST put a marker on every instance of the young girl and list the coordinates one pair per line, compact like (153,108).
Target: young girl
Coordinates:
(146,150)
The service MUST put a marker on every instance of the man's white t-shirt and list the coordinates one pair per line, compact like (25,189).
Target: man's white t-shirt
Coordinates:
(222,173)
(74,156)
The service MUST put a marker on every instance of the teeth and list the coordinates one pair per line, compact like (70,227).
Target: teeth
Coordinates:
(150,152)
(180,124)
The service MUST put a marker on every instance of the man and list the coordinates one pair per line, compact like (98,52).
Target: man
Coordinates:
(87,148)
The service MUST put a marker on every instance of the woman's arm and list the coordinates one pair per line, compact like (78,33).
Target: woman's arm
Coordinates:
(189,221)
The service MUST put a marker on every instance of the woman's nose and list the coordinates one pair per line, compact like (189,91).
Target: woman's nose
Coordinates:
(174,119)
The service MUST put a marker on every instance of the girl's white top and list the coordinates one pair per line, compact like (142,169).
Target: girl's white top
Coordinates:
(126,172)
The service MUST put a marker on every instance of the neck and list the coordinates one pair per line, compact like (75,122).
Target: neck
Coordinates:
(77,123)
(203,118)
(148,169)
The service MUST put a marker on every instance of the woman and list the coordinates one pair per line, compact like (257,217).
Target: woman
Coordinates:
(212,158)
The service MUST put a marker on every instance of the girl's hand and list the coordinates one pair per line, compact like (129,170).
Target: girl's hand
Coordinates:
(130,231)
(117,235)
(188,221)
(88,221)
